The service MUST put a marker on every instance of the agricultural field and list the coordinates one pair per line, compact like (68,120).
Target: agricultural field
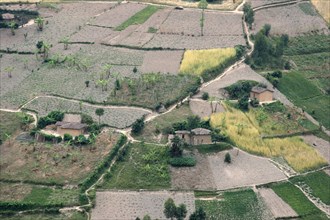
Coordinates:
(143,166)
(257,3)
(197,62)
(130,204)
(119,117)
(44,216)
(44,162)
(245,131)
(10,124)
(322,7)
(293,20)
(240,204)
(204,109)
(298,201)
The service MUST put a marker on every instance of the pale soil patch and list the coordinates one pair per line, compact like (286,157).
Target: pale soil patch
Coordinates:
(323,7)
(205,108)
(14,192)
(242,72)
(197,177)
(92,34)
(289,20)
(117,15)
(322,146)
(222,24)
(129,205)
(327,171)
(244,170)
(277,206)
(257,3)
(115,40)
(162,61)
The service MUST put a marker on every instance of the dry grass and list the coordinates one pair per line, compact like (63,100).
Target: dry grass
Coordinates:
(323,7)
(246,134)
(197,61)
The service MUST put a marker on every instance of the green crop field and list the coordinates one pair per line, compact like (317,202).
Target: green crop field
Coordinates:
(298,201)
(319,182)
(234,205)
(144,166)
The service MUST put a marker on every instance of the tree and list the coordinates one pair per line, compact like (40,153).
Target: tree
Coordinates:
(205,96)
(176,147)
(202,5)
(227,158)
(146,217)
(65,41)
(193,122)
(87,83)
(134,69)
(40,23)
(243,103)
(99,112)
(266,29)
(46,48)
(248,14)
(138,125)
(12,26)
(199,214)
(169,209)
(181,212)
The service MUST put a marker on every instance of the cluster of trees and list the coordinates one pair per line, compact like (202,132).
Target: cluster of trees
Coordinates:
(51,118)
(240,89)
(248,14)
(274,77)
(172,211)
(267,50)
(138,126)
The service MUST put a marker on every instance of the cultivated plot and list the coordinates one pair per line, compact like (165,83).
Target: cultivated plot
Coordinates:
(130,205)
(205,108)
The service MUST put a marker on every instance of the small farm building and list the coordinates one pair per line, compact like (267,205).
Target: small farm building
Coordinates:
(71,124)
(261,94)
(196,136)
(8,16)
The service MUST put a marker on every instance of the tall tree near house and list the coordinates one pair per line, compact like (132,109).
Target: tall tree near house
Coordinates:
(9,71)
(181,212)
(40,23)
(202,5)
(12,26)
(99,112)
(169,209)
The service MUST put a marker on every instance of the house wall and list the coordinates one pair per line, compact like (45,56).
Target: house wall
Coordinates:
(262,97)
(201,139)
(72,132)
(185,137)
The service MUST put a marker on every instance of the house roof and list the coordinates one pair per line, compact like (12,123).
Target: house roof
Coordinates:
(8,16)
(258,89)
(72,118)
(71,125)
(182,132)
(200,131)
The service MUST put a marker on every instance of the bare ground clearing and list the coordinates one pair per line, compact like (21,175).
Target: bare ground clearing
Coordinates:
(277,206)
(222,24)
(162,61)
(242,72)
(125,205)
(291,20)
(257,3)
(244,170)
(92,34)
(322,146)
(205,108)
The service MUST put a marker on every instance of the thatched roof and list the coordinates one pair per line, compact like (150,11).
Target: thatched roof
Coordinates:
(70,125)
(200,131)
(72,118)
(182,132)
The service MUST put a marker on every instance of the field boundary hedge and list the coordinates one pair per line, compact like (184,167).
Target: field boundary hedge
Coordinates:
(299,133)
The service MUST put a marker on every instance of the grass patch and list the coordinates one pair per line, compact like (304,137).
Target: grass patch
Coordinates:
(144,167)
(185,161)
(139,18)
(213,148)
(307,96)
(206,194)
(308,44)
(307,8)
(197,62)
(45,216)
(235,205)
(9,123)
(298,201)
(245,131)
(319,182)
(155,127)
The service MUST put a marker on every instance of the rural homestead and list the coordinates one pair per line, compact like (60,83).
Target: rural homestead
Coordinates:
(164,109)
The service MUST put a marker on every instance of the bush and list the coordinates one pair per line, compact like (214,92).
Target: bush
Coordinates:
(67,137)
(51,118)
(86,119)
(254,102)
(227,158)
(137,126)
(243,103)
(183,161)
(205,96)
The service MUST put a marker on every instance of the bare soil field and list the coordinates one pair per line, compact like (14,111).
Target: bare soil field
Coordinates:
(319,144)
(92,34)
(211,171)
(242,72)
(162,61)
(222,24)
(245,169)
(257,3)
(205,108)
(45,162)
(292,20)
(116,15)
(277,206)
(125,205)
(197,177)
(119,117)
(193,42)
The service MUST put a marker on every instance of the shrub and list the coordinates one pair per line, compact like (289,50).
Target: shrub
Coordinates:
(67,137)
(205,96)
(183,161)
(227,158)
(51,118)
(137,126)
(254,102)
(243,103)
(86,119)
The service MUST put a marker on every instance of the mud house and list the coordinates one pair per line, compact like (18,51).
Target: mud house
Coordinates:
(8,16)
(196,136)
(261,94)
(71,124)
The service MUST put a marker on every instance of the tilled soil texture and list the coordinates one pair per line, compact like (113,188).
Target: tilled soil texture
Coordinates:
(291,20)
(205,108)
(319,144)
(162,61)
(277,206)
(130,205)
